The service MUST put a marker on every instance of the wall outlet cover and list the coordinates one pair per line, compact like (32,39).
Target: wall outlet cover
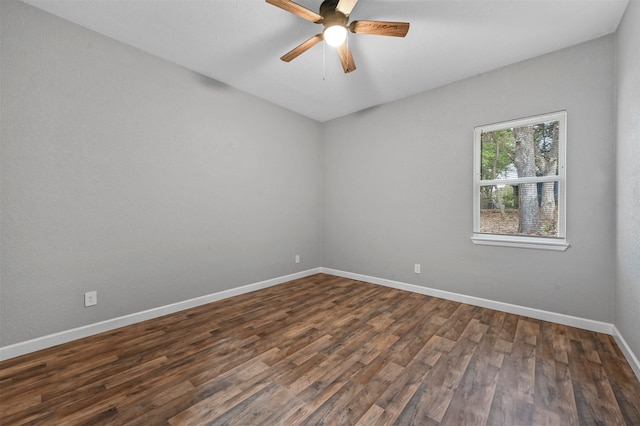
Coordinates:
(90,298)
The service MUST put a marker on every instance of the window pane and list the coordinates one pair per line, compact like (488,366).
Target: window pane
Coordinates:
(519,183)
(526,151)
(525,209)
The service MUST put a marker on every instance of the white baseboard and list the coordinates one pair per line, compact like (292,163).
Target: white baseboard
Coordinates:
(44,342)
(626,350)
(587,324)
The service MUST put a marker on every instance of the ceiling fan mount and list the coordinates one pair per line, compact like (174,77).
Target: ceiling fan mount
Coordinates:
(330,15)
(334,16)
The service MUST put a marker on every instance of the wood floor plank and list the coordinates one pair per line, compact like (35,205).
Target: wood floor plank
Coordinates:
(477,386)
(565,401)
(399,393)
(327,350)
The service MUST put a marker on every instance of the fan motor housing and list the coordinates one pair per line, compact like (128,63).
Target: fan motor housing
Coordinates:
(330,15)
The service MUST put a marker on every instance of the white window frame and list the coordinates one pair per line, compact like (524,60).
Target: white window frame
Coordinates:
(558,243)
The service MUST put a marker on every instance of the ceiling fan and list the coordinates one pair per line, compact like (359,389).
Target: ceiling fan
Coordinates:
(334,16)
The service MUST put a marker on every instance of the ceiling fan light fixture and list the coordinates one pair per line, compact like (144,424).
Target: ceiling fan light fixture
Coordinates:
(334,17)
(335,35)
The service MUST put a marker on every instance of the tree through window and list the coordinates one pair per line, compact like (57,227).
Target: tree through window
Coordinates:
(519,182)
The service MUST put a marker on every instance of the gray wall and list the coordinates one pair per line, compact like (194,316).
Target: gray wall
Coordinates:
(128,175)
(398,186)
(627,300)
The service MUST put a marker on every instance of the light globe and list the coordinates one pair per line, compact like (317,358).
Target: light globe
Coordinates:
(335,35)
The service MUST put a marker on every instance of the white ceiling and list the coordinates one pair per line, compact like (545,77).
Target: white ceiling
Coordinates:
(239,43)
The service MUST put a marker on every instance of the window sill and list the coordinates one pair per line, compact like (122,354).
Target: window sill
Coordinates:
(556,244)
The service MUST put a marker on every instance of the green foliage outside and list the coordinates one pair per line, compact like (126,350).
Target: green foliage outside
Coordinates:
(504,155)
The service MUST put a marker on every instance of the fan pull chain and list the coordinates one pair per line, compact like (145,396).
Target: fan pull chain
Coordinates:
(324,65)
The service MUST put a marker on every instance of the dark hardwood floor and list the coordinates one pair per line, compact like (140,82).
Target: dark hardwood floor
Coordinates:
(327,350)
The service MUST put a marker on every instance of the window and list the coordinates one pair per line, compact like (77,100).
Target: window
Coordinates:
(519,183)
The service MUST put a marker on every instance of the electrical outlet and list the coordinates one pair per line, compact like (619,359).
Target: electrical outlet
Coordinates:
(416,268)
(90,298)
(297,258)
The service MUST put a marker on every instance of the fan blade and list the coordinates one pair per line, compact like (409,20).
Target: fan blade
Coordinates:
(346,6)
(297,10)
(395,29)
(301,48)
(348,64)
